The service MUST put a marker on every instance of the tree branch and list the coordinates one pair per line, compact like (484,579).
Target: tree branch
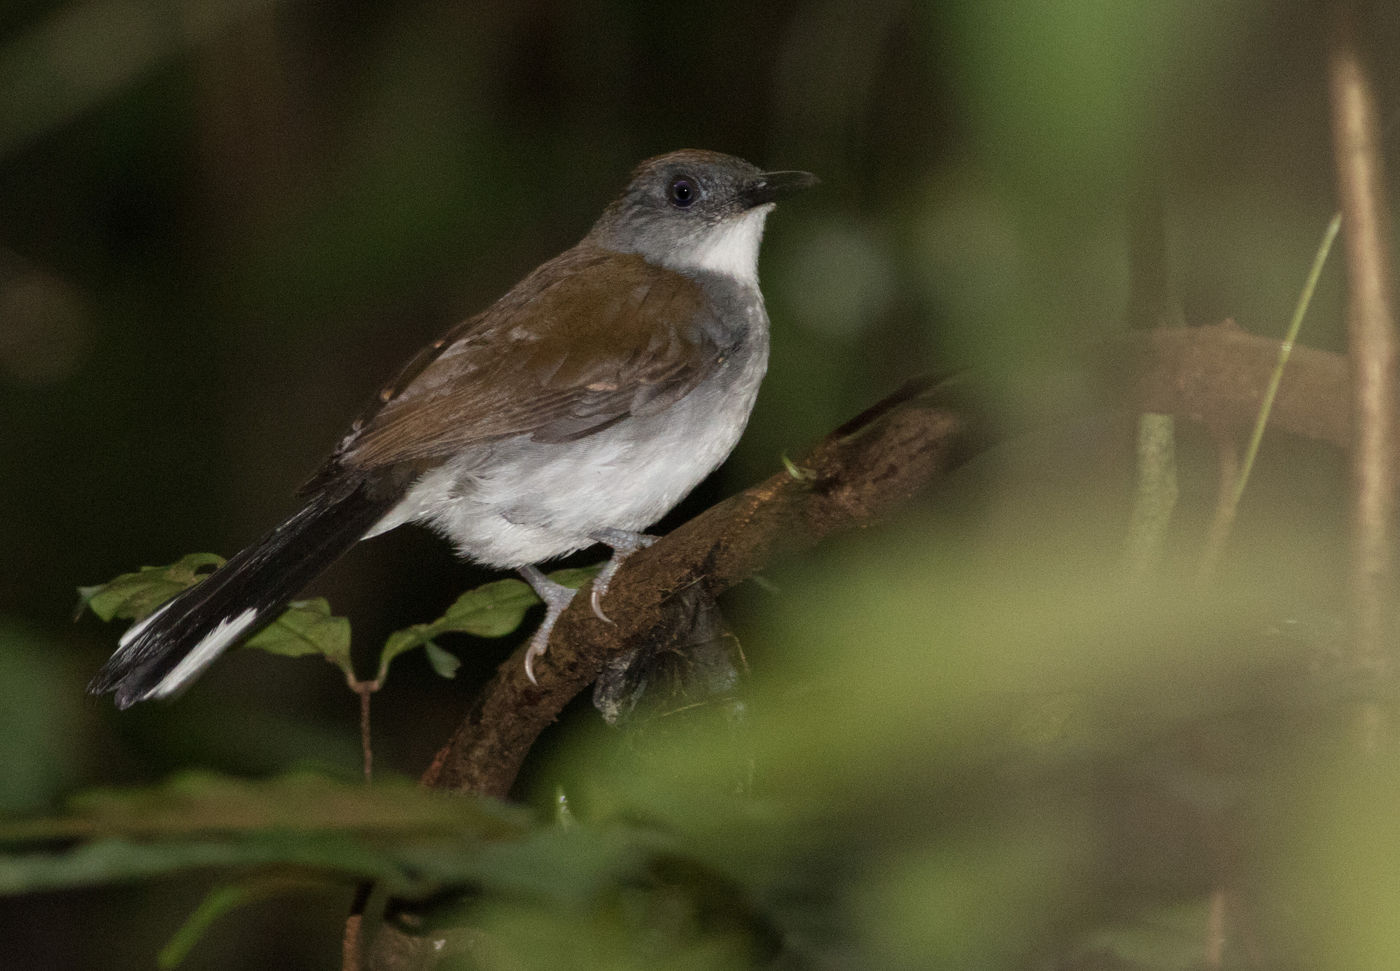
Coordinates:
(1218,374)
(855,474)
(883,456)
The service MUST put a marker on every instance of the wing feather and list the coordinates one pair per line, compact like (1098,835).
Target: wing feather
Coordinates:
(604,335)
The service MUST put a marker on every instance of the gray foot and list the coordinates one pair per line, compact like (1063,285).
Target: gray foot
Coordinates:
(556,598)
(624,543)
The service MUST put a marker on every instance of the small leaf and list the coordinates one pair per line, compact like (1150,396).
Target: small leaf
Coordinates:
(575,577)
(492,610)
(308,627)
(400,641)
(445,663)
(799,472)
(135,596)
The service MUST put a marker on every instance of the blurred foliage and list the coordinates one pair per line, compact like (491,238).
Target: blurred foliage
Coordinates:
(123,834)
(971,741)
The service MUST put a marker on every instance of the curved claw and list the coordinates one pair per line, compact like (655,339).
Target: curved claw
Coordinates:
(556,598)
(539,646)
(595,600)
(623,544)
(530,656)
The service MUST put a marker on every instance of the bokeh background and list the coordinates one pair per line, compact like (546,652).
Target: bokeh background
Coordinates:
(223,224)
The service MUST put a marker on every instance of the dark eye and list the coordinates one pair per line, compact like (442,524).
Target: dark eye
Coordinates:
(683,192)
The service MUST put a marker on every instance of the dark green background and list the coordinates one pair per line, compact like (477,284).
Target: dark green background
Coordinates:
(222,225)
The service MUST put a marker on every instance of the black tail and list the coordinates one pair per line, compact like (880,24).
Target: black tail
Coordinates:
(168,650)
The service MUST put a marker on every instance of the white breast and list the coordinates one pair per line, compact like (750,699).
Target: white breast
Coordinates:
(729,249)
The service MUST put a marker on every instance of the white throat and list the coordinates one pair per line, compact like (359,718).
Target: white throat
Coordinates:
(731,248)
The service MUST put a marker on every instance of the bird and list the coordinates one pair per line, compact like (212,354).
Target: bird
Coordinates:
(577,409)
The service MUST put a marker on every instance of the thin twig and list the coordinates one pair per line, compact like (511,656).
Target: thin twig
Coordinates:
(1285,351)
(1234,471)
(1157,494)
(1372,345)
(352,941)
(365,689)
(1215,929)
(1153,302)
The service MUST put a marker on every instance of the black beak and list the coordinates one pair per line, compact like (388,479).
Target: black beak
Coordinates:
(772,186)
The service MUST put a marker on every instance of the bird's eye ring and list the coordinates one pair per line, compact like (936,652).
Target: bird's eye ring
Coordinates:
(682,192)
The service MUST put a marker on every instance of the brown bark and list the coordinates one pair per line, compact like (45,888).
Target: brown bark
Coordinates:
(1218,374)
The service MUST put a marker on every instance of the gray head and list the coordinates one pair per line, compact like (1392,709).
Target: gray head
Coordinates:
(696,212)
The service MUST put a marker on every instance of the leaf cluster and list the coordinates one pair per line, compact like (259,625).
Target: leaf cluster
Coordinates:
(307,627)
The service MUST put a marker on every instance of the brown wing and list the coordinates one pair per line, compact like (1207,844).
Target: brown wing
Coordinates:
(586,340)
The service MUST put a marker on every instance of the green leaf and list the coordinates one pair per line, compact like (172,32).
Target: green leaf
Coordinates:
(308,627)
(491,610)
(221,900)
(445,663)
(575,577)
(134,596)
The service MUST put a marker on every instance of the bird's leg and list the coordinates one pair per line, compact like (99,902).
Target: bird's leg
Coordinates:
(624,543)
(556,597)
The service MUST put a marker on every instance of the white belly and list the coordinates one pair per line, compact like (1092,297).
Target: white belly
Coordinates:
(518,502)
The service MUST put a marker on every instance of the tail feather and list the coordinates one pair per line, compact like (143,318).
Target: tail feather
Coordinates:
(167,651)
